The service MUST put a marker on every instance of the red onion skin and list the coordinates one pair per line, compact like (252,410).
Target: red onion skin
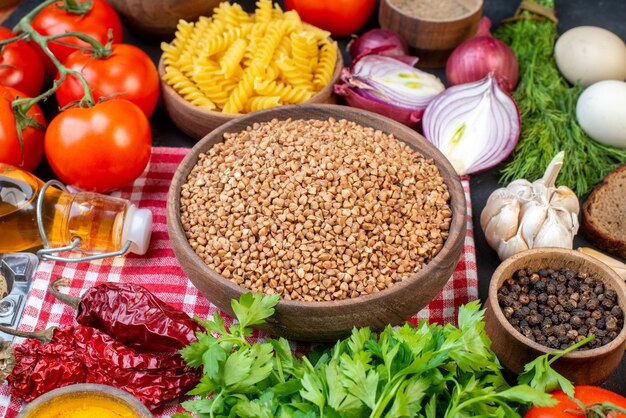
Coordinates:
(410,118)
(383,50)
(376,38)
(481,55)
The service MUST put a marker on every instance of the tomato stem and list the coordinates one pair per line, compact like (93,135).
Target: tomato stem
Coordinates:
(76,7)
(21,106)
(15,39)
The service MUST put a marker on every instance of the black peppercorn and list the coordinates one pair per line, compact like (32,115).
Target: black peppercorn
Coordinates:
(592,304)
(540,286)
(608,304)
(616,311)
(576,321)
(611,323)
(536,319)
(524,299)
(559,307)
(551,302)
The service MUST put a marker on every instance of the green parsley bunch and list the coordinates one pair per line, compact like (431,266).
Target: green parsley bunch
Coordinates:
(426,371)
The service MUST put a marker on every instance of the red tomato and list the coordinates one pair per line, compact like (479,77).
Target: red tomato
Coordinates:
(10,150)
(20,66)
(128,73)
(586,394)
(340,17)
(100,148)
(55,19)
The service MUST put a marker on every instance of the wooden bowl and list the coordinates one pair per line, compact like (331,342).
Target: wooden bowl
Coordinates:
(327,321)
(590,367)
(158,18)
(85,393)
(197,122)
(431,40)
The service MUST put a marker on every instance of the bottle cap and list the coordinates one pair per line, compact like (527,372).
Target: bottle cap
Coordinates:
(137,229)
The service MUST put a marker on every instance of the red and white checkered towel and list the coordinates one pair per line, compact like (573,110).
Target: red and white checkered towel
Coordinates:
(159,271)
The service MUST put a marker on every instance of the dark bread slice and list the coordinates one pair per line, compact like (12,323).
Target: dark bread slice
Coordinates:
(604,213)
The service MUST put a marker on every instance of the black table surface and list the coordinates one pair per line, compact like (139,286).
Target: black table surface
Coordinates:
(609,14)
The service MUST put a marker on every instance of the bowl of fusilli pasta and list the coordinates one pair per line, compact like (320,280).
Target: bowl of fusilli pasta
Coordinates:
(233,63)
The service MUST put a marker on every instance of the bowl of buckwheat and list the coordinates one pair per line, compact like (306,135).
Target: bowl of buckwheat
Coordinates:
(548,299)
(353,219)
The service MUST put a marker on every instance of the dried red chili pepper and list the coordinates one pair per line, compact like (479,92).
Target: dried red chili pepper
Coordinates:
(132,315)
(80,354)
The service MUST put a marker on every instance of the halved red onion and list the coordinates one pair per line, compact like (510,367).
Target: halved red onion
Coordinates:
(475,125)
(390,87)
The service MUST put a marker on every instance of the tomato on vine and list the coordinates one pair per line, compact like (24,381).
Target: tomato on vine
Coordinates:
(27,154)
(99,148)
(595,399)
(123,72)
(93,18)
(20,65)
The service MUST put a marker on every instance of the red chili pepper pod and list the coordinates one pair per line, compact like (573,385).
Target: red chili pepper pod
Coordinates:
(80,354)
(133,316)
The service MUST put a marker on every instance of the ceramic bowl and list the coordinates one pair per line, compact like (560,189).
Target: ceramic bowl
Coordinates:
(327,321)
(84,393)
(431,40)
(588,367)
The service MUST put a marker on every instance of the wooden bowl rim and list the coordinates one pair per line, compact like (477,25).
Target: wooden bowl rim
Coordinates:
(180,101)
(470,13)
(459,209)
(616,282)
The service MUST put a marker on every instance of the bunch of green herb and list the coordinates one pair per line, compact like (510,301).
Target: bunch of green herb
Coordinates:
(547,105)
(425,371)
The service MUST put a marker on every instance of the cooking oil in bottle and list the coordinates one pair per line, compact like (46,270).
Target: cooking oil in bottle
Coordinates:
(103,223)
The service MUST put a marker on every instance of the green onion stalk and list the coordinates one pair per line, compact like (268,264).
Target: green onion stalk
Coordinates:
(547,105)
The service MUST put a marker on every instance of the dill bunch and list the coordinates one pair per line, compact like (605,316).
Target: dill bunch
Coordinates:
(547,105)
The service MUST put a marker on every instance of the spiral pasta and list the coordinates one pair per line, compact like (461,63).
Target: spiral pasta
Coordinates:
(288,94)
(235,62)
(261,103)
(187,89)
(264,9)
(326,65)
(232,57)
(304,50)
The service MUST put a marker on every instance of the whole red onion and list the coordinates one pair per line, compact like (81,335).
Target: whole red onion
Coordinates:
(481,55)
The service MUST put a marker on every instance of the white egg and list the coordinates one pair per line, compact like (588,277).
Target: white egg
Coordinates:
(601,112)
(588,54)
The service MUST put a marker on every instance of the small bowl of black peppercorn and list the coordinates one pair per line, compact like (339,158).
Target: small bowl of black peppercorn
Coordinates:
(548,299)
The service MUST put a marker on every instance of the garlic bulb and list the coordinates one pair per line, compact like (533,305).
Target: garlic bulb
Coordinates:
(527,215)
